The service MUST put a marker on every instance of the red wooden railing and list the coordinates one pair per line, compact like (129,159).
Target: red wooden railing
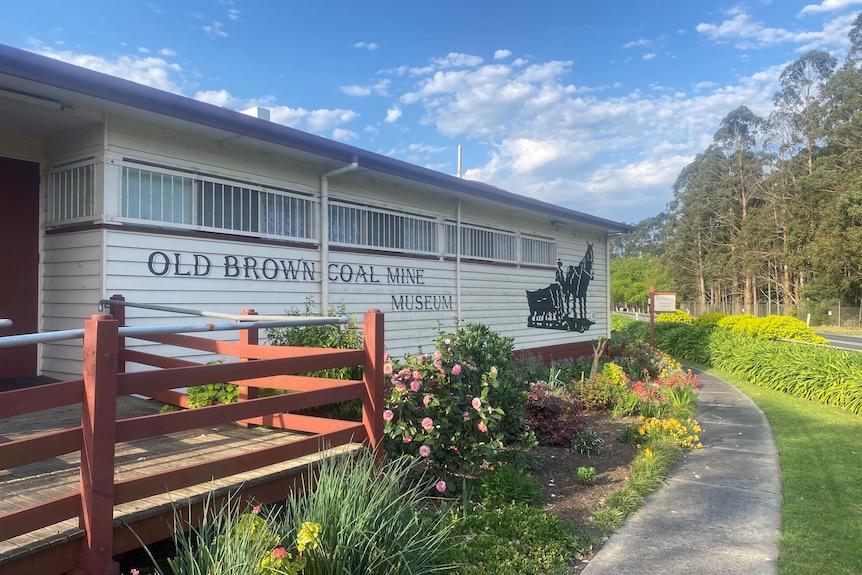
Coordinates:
(104,379)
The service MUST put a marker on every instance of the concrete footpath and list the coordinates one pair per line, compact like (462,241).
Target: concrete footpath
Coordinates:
(719,512)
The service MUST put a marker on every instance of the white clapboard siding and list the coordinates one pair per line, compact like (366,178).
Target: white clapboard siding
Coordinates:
(68,298)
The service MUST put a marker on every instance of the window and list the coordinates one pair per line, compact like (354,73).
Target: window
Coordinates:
(498,245)
(482,243)
(538,251)
(148,195)
(363,226)
(71,193)
(206,202)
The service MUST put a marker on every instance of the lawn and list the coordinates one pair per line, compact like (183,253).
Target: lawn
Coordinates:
(820,455)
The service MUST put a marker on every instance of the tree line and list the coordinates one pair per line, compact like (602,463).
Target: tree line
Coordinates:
(771,210)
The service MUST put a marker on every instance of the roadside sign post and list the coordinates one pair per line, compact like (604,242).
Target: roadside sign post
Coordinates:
(659,302)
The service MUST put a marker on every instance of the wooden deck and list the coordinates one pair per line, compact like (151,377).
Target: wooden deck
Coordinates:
(45,480)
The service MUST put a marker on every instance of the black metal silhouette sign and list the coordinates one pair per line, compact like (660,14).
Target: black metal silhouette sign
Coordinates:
(563,305)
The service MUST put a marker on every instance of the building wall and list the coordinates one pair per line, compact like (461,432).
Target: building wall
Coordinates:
(162,264)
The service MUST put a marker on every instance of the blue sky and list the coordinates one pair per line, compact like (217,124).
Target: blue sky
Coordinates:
(595,106)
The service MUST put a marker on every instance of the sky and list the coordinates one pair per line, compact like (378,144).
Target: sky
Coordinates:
(592,105)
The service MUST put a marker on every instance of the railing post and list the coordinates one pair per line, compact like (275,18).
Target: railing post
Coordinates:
(372,376)
(119,313)
(248,337)
(98,424)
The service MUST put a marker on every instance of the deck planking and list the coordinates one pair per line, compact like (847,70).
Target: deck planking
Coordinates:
(45,480)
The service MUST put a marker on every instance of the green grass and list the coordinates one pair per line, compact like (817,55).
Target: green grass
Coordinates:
(820,455)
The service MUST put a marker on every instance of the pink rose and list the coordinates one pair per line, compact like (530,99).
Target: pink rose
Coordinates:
(388,415)
(414,385)
(482,427)
(417,376)
(427,399)
(427,423)
(441,486)
(438,354)
(494,369)
(456,369)
(437,363)
(424,451)
(408,439)
(476,403)
(447,341)
(466,416)
(387,368)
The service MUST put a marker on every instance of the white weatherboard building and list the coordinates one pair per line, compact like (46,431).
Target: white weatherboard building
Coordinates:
(110,187)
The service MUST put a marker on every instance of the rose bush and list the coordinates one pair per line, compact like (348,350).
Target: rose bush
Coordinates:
(459,407)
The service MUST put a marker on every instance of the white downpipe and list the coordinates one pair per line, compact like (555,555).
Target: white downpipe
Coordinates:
(324,230)
(458,263)
(608,281)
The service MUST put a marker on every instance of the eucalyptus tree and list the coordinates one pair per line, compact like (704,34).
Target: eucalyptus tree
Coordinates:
(795,134)
(741,172)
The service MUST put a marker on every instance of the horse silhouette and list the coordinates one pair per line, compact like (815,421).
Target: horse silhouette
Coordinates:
(574,283)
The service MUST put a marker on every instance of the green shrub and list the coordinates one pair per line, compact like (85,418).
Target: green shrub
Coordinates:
(686,342)
(619,322)
(709,319)
(347,336)
(507,485)
(820,374)
(678,316)
(587,475)
(587,443)
(515,540)
(213,393)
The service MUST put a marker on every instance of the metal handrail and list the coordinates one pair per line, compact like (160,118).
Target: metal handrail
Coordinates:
(203,313)
(242,322)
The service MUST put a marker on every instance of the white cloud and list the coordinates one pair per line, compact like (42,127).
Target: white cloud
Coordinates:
(370,46)
(636,43)
(649,56)
(828,6)
(457,60)
(233,14)
(392,114)
(218,98)
(502,54)
(148,70)
(344,135)
(747,34)
(215,30)
(167,53)
(381,88)
(356,90)
(547,137)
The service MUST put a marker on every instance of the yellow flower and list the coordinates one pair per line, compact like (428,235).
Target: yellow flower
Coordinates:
(308,536)
(648,453)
